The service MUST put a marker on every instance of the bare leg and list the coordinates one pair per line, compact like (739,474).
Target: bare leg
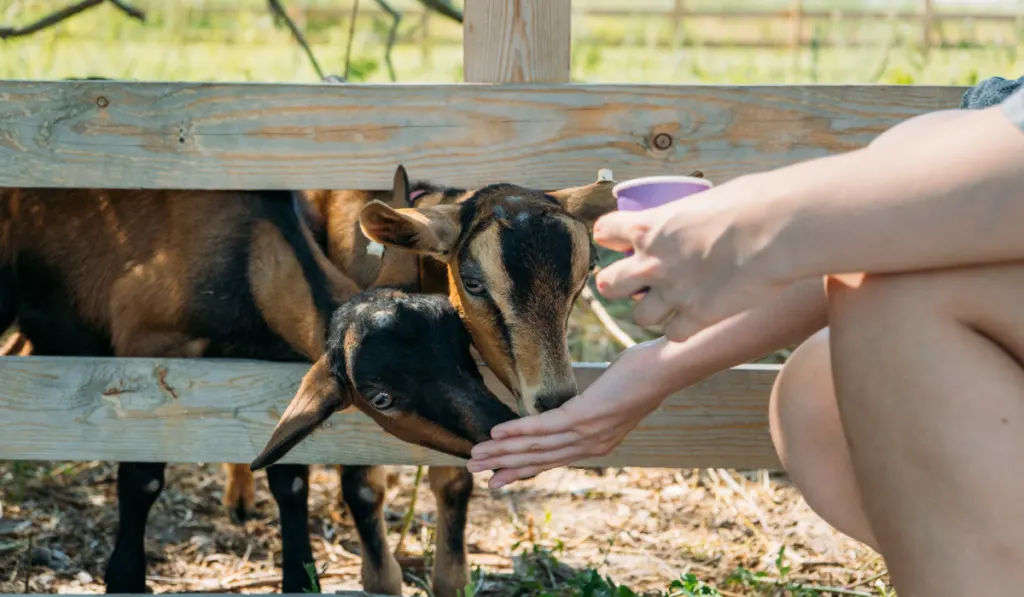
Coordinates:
(810,441)
(930,388)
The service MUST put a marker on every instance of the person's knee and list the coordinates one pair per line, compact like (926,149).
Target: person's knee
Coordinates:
(798,405)
(810,441)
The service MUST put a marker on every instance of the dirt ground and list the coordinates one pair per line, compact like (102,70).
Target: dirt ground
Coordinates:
(641,527)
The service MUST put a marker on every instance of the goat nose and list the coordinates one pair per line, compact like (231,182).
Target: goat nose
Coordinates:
(551,400)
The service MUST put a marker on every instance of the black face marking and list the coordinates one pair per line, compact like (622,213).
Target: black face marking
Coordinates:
(538,256)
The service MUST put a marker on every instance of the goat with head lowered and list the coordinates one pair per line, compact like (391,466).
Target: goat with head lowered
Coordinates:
(512,261)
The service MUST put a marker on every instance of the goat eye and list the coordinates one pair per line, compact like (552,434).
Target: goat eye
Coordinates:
(381,400)
(474,287)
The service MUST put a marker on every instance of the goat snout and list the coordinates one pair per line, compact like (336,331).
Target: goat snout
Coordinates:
(553,399)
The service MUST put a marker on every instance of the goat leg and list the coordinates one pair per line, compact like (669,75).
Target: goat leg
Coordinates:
(363,489)
(452,488)
(138,486)
(289,484)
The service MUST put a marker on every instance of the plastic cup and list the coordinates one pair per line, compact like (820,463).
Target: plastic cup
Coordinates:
(654,191)
(639,194)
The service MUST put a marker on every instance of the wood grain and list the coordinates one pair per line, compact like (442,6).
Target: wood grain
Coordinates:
(207,410)
(516,41)
(249,135)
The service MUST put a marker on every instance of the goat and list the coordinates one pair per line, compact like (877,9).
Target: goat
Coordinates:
(170,274)
(230,274)
(392,355)
(512,262)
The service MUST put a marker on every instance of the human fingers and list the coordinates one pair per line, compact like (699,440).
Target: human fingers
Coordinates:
(505,476)
(572,451)
(626,277)
(523,443)
(651,310)
(618,230)
(546,423)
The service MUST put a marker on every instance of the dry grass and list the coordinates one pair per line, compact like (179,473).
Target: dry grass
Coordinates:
(641,527)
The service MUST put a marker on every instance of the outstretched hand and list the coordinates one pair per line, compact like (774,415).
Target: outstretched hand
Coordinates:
(591,424)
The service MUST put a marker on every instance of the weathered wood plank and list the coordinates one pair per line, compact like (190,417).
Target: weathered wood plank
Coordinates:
(178,410)
(516,41)
(247,135)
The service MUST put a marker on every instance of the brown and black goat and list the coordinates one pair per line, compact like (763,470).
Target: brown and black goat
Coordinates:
(236,274)
(170,274)
(512,261)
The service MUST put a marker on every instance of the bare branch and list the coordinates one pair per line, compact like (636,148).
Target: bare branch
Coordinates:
(445,8)
(66,13)
(129,10)
(278,10)
(351,37)
(605,318)
(392,34)
(49,20)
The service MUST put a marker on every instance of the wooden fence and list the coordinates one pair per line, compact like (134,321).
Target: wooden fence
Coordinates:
(535,129)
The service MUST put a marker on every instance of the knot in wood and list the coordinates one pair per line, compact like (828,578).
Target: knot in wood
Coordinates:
(102,102)
(662,141)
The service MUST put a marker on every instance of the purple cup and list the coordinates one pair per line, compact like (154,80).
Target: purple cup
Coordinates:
(654,191)
(639,194)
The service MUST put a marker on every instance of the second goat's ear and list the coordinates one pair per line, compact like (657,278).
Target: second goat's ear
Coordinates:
(320,395)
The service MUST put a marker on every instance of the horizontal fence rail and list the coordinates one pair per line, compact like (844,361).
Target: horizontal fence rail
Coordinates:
(210,410)
(275,136)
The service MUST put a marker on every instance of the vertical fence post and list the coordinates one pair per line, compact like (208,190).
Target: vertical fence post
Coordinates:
(517,41)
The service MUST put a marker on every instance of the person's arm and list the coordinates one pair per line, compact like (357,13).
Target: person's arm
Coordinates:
(790,318)
(951,196)
(640,379)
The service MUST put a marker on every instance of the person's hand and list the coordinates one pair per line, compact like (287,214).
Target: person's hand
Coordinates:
(588,425)
(696,261)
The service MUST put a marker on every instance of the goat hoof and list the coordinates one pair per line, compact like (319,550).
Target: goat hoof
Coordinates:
(240,514)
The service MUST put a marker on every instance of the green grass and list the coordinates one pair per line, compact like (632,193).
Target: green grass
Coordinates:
(542,575)
(179,42)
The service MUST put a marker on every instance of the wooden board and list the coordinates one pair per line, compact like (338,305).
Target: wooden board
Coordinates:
(517,41)
(177,410)
(249,135)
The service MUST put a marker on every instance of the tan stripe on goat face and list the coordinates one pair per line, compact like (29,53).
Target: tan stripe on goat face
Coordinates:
(517,260)
(516,279)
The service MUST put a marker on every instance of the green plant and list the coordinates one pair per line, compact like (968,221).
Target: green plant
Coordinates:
(311,572)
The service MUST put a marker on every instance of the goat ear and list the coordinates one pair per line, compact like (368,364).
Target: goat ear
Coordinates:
(589,202)
(429,230)
(320,395)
